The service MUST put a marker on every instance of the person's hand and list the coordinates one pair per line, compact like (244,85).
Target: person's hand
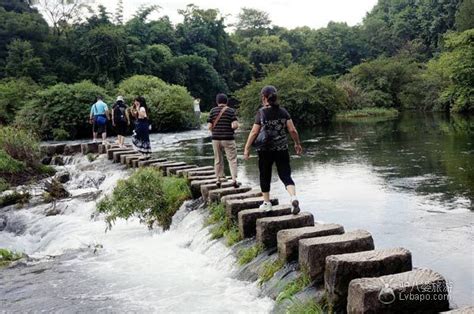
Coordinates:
(246,154)
(298,149)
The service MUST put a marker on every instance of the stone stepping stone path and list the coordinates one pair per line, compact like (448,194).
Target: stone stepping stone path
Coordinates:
(357,278)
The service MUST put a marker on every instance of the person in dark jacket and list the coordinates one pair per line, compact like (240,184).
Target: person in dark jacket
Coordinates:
(120,120)
(276,122)
(141,134)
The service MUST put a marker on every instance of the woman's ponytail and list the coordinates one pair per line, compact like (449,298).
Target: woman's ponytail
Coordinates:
(271,94)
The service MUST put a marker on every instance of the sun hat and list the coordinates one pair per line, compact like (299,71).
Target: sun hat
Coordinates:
(119,98)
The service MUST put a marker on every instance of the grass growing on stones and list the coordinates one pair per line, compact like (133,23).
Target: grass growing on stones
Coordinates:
(269,270)
(19,198)
(4,185)
(248,254)
(309,307)
(223,226)
(148,195)
(91,157)
(7,256)
(295,286)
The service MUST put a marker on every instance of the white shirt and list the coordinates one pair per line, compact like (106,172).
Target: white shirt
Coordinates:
(196,106)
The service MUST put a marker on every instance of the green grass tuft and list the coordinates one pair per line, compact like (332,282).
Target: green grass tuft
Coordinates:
(223,226)
(19,198)
(269,269)
(309,307)
(232,235)
(91,157)
(217,214)
(7,256)
(10,165)
(248,254)
(4,185)
(366,113)
(297,285)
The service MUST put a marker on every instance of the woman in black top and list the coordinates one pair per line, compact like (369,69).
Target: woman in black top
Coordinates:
(277,122)
(141,134)
(120,120)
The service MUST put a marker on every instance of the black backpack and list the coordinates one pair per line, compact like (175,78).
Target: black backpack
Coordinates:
(120,114)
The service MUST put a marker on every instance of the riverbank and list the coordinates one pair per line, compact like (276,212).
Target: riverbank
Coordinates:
(366,114)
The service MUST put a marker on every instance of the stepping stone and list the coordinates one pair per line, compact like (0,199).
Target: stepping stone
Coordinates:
(267,228)
(52,149)
(207,188)
(312,252)
(102,149)
(184,172)
(341,269)
(172,170)
(165,165)
(118,154)
(195,173)
(195,178)
(143,163)
(463,310)
(416,291)
(217,194)
(72,149)
(247,219)
(196,186)
(110,152)
(233,207)
(91,147)
(288,239)
(249,194)
(123,158)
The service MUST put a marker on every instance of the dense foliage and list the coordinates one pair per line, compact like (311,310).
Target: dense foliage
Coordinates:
(309,100)
(170,105)
(148,195)
(402,47)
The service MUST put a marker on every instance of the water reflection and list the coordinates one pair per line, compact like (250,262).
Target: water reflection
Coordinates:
(409,181)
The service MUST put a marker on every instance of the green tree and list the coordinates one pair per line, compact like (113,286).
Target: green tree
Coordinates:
(252,22)
(22,61)
(308,100)
(14,94)
(464,15)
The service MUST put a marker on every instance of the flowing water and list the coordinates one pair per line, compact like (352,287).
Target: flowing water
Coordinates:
(409,181)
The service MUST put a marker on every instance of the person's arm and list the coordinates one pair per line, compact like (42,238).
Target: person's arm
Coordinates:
(235,123)
(91,115)
(113,115)
(252,136)
(295,136)
(127,115)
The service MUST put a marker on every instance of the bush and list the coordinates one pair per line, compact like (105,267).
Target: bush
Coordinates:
(19,198)
(170,105)
(4,185)
(14,94)
(154,199)
(248,254)
(21,145)
(61,107)
(309,100)
(8,165)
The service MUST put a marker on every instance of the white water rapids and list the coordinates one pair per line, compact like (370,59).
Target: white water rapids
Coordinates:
(126,269)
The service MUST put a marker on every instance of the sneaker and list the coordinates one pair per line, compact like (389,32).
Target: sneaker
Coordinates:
(236,184)
(218,183)
(296,206)
(266,206)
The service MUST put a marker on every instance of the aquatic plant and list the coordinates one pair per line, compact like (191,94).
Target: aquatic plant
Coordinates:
(308,307)
(19,198)
(269,269)
(248,254)
(148,195)
(295,286)
(7,256)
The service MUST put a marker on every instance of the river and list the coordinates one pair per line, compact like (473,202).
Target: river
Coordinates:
(409,181)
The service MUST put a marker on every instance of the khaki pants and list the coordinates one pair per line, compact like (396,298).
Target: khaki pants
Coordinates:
(231,154)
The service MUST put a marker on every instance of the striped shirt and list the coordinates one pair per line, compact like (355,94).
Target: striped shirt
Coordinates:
(223,130)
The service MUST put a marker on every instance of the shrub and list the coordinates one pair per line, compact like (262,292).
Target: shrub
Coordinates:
(21,145)
(60,135)
(309,100)
(19,198)
(154,199)
(8,165)
(61,107)
(14,94)
(4,185)
(170,105)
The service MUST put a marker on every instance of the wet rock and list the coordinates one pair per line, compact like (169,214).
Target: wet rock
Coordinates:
(52,211)
(184,172)
(46,160)
(288,273)
(63,177)
(55,190)
(118,154)
(3,222)
(267,228)
(247,219)
(288,239)
(172,170)
(163,166)
(196,186)
(239,196)
(205,189)
(143,163)
(125,157)
(233,207)
(341,269)
(72,149)
(111,151)
(217,194)
(196,172)
(416,291)
(52,149)
(92,147)
(57,161)
(312,252)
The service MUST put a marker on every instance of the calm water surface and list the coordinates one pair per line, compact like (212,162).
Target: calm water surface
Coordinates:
(409,181)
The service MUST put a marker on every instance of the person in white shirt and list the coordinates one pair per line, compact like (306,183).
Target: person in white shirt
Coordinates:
(197,108)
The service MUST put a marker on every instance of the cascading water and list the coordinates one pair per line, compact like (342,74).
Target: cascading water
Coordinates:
(75,265)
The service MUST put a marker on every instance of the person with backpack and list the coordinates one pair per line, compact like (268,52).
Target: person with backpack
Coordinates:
(268,136)
(98,117)
(222,122)
(120,120)
(141,134)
